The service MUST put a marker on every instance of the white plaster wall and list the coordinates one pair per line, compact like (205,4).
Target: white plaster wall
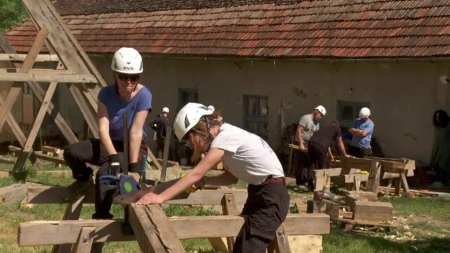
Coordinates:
(403,95)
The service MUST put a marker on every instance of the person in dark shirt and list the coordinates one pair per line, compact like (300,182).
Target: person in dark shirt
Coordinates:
(160,125)
(319,147)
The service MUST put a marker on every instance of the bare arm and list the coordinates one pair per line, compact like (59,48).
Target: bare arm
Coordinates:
(300,138)
(213,156)
(136,133)
(103,128)
(330,153)
(342,147)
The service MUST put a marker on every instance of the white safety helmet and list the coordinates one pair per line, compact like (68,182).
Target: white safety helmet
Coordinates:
(321,109)
(127,60)
(188,117)
(165,109)
(364,113)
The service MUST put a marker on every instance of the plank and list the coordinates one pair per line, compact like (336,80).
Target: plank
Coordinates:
(67,231)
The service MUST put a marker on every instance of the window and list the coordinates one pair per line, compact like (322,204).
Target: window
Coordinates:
(347,111)
(185,96)
(256,115)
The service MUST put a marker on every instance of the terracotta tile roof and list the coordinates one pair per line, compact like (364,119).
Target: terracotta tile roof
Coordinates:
(332,29)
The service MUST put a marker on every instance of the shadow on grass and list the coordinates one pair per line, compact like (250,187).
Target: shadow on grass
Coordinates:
(338,241)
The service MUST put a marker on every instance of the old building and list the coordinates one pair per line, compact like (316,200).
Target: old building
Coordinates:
(265,63)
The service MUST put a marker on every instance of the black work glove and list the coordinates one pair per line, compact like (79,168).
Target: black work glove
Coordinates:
(114,164)
(134,167)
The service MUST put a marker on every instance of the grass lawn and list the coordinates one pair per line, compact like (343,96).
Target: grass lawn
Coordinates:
(424,224)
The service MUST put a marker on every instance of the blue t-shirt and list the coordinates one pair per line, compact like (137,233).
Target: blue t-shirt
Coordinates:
(362,142)
(116,108)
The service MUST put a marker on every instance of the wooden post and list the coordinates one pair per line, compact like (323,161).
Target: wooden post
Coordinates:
(280,244)
(374,177)
(85,240)
(229,208)
(153,230)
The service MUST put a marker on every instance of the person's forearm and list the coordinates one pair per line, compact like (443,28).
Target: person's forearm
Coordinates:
(106,141)
(358,132)
(342,147)
(135,144)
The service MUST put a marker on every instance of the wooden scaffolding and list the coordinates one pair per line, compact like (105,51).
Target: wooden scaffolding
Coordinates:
(73,68)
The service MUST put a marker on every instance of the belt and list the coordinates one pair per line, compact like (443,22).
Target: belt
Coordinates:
(274,180)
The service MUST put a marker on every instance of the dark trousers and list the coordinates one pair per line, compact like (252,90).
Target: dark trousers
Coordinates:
(301,172)
(160,148)
(317,159)
(359,152)
(92,151)
(266,208)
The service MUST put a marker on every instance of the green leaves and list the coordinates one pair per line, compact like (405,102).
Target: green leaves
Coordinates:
(11,12)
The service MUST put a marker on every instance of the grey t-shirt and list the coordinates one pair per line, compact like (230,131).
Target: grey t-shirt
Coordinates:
(309,127)
(247,156)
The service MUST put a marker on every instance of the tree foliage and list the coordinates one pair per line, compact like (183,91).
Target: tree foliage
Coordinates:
(11,12)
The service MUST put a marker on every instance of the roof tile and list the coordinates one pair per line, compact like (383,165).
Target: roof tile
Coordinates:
(257,28)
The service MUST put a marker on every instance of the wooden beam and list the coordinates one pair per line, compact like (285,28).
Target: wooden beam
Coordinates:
(12,193)
(187,227)
(28,147)
(85,240)
(15,128)
(47,76)
(153,230)
(40,93)
(13,57)
(82,54)
(55,195)
(369,210)
(88,112)
(61,194)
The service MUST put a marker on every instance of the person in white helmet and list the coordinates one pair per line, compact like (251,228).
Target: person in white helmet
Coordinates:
(307,125)
(128,95)
(361,132)
(245,156)
(160,125)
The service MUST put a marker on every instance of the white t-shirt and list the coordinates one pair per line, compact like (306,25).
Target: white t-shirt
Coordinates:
(247,156)
(309,127)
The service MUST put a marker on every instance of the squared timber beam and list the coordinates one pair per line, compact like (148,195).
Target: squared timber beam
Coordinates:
(186,227)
